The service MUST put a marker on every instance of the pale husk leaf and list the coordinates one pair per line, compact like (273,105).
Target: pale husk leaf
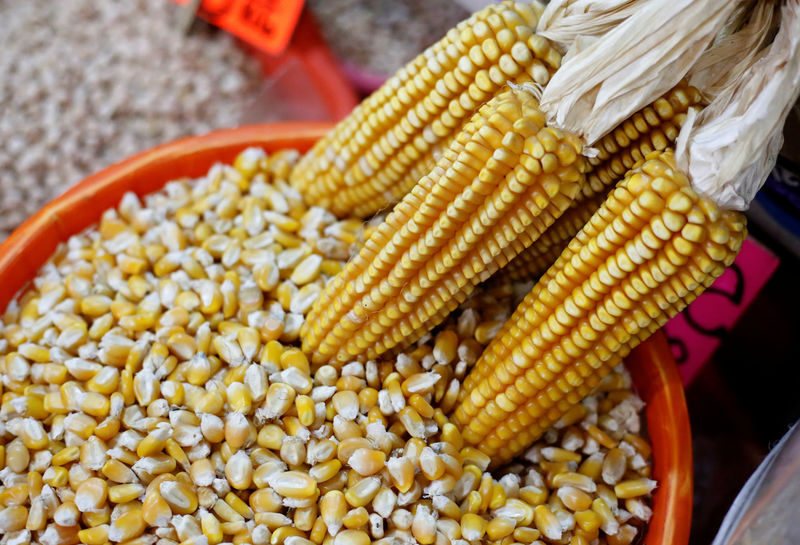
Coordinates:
(631,65)
(738,19)
(729,149)
(565,20)
(734,50)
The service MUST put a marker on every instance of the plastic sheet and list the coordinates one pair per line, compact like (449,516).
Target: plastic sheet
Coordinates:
(766,509)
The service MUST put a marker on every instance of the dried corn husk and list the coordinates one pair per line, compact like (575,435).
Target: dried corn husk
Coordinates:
(729,149)
(632,64)
(734,49)
(564,20)
(740,17)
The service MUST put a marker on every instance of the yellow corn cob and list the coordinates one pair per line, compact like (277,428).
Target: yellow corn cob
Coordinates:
(652,128)
(503,181)
(532,262)
(375,156)
(652,247)
(404,287)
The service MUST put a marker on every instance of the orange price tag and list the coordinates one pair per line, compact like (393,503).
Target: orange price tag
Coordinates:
(266,24)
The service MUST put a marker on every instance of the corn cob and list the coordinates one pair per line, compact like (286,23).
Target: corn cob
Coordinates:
(503,181)
(398,288)
(653,246)
(375,156)
(412,294)
(532,262)
(653,128)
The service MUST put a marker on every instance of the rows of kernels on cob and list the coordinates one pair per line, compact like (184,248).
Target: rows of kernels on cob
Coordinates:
(532,262)
(486,189)
(636,263)
(378,153)
(651,248)
(654,128)
(152,391)
(662,236)
(498,187)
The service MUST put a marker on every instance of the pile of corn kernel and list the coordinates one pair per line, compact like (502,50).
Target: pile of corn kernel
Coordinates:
(153,392)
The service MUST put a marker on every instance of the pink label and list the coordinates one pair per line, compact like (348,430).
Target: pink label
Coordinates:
(695,333)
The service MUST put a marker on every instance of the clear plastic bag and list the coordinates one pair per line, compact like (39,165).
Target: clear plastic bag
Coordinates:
(767,508)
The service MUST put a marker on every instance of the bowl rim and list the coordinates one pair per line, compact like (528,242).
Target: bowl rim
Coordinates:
(652,366)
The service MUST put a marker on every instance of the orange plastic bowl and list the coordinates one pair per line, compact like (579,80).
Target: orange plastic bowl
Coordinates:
(28,248)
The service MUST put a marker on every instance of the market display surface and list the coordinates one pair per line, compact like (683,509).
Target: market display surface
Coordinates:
(242,358)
